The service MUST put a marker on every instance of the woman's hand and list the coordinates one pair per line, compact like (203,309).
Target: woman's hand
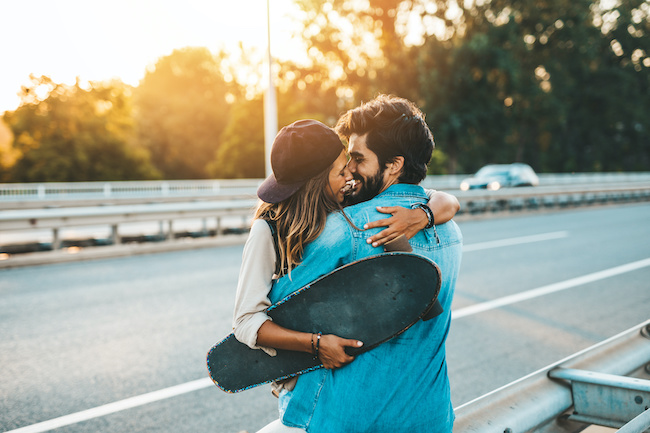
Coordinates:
(402,222)
(331,351)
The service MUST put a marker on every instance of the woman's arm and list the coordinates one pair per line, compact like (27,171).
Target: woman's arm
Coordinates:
(330,349)
(253,327)
(253,285)
(410,221)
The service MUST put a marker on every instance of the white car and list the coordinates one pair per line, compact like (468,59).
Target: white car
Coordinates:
(496,176)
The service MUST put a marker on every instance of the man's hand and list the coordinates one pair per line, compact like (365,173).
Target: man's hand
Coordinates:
(410,221)
(331,351)
(402,222)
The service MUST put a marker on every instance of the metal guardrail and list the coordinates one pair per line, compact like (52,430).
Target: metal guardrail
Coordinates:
(61,194)
(515,199)
(472,202)
(31,195)
(547,400)
(58,218)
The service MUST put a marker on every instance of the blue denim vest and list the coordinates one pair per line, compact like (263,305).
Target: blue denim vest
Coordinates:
(402,385)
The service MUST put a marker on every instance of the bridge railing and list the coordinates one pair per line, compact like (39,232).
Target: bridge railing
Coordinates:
(112,215)
(31,195)
(26,195)
(605,385)
(531,198)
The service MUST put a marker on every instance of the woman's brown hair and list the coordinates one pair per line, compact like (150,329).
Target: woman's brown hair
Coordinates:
(299,219)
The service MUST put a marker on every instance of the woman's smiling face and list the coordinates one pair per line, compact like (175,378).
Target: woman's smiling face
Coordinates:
(338,177)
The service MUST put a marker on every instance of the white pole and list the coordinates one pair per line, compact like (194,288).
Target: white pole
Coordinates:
(270,104)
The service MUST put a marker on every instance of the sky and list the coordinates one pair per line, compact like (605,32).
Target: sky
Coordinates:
(98,40)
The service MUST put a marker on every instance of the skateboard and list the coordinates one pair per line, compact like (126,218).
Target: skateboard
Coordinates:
(373,300)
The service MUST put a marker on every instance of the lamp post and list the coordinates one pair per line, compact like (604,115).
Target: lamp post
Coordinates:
(270,103)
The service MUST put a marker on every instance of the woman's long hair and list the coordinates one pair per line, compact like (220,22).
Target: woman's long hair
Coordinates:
(299,219)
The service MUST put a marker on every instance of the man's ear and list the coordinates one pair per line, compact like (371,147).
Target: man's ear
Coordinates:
(396,165)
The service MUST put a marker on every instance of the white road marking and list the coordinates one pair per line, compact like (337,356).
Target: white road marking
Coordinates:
(195,385)
(551,288)
(117,406)
(515,241)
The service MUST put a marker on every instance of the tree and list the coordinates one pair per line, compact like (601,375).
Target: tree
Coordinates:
(182,108)
(75,133)
(359,47)
(562,85)
(8,155)
(241,153)
(572,103)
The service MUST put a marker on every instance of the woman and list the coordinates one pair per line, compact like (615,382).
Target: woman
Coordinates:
(309,181)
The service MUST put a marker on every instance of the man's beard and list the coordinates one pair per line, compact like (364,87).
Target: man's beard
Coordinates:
(369,188)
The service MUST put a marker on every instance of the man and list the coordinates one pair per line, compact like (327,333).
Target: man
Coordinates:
(402,385)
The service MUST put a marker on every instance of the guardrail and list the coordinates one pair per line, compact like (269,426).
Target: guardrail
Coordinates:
(472,202)
(113,216)
(33,195)
(61,194)
(532,198)
(555,399)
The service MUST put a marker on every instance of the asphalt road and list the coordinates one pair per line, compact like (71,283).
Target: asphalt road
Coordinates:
(77,336)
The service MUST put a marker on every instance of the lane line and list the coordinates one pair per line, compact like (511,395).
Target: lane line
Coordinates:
(551,288)
(515,241)
(117,406)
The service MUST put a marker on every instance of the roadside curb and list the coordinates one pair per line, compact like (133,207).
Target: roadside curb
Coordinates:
(115,251)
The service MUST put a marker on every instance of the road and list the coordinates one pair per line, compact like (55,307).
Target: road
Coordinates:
(77,336)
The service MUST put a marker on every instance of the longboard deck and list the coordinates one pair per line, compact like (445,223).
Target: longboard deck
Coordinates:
(373,300)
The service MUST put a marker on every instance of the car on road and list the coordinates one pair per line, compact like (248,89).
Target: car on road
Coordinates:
(496,176)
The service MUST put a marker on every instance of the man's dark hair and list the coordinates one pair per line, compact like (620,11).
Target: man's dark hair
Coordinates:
(395,127)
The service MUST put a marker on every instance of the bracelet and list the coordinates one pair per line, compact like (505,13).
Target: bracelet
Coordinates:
(317,345)
(427,210)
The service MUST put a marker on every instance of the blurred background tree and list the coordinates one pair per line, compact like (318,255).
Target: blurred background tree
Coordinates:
(182,108)
(562,85)
(8,154)
(75,133)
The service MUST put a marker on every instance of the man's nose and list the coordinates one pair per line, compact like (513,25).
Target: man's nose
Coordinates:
(351,166)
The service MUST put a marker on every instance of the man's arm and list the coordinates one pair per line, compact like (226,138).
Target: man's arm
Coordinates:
(410,221)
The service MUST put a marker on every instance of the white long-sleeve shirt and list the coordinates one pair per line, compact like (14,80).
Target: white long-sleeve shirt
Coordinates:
(255,281)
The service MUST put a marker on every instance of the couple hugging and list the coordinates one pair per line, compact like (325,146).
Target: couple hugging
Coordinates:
(323,207)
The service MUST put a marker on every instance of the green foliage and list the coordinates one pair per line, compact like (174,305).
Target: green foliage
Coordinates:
(75,134)
(563,85)
(181,111)
(241,153)
(361,63)
(8,155)
(560,84)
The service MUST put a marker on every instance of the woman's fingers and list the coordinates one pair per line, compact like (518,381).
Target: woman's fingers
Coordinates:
(332,351)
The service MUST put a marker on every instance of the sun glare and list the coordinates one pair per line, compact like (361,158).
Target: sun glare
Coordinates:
(102,40)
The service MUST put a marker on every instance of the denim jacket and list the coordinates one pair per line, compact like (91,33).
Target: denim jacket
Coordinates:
(401,385)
